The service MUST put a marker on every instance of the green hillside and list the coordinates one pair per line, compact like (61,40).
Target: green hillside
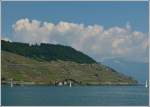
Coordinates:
(25,69)
(46,52)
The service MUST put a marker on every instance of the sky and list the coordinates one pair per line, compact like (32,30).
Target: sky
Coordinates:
(100,29)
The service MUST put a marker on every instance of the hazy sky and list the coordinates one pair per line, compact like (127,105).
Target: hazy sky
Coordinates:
(100,29)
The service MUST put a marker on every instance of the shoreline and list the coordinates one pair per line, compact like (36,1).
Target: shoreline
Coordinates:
(74,85)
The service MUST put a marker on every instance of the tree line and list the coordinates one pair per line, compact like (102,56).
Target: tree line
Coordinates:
(46,51)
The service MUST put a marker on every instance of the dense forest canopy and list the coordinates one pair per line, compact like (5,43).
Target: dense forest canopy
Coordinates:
(46,52)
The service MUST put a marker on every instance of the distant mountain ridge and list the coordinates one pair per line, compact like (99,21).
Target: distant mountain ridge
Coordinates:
(48,52)
(138,70)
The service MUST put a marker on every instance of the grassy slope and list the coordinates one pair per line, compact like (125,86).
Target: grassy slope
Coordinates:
(21,68)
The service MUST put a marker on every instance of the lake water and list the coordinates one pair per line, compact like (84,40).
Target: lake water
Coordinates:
(74,96)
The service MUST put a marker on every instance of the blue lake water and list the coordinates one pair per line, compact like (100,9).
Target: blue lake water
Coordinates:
(75,96)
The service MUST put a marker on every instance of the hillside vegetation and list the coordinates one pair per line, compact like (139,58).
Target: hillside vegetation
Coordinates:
(46,52)
(23,69)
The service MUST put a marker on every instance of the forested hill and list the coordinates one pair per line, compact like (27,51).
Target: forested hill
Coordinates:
(46,52)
